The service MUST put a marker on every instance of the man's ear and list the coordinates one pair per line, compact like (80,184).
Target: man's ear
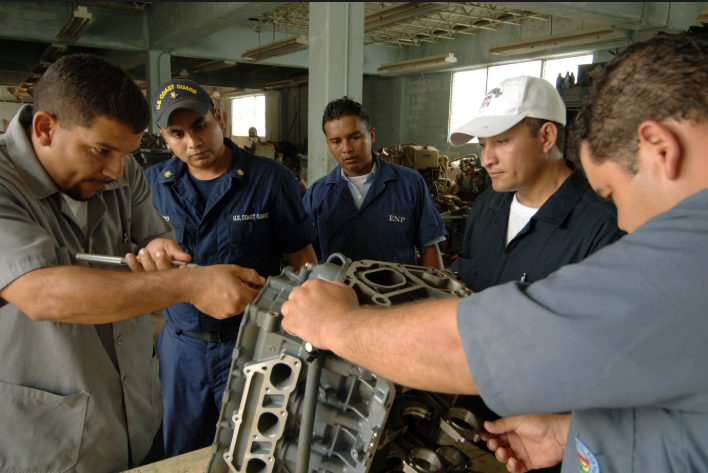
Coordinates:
(549,135)
(43,127)
(372,132)
(660,145)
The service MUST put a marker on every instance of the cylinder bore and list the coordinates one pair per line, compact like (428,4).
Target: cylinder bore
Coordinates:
(281,376)
(268,424)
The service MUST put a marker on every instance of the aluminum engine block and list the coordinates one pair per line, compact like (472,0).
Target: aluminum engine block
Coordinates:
(289,410)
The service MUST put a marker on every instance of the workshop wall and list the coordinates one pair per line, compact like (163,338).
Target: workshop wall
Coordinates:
(7,112)
(378,100)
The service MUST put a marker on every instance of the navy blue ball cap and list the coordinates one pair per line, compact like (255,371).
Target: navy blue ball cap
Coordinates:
(179,93)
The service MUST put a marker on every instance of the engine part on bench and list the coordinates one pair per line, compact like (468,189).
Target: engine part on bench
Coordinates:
(423,460)
(272,420)
(452,458)
(463,423)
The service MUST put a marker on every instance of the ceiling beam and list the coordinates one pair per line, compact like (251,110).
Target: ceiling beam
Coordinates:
(42,22)
(174,25)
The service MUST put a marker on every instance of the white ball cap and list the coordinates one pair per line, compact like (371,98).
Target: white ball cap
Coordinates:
(509,103)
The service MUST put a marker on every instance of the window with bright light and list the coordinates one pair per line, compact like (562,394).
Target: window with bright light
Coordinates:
(468,91)
(248,112)
(498,74)
(553,67)
(470,87)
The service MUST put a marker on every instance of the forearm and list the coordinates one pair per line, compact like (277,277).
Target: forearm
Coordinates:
(430,257)
(91,296)
(416,345)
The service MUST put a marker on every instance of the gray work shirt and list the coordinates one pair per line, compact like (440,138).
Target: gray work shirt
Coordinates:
(618,339)
(64,404)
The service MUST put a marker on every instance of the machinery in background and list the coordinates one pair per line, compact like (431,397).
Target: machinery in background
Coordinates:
(291,408)
(454,185)
(153,150)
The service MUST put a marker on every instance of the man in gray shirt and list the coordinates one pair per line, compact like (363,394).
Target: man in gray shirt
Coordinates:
(618,339)
(79,390)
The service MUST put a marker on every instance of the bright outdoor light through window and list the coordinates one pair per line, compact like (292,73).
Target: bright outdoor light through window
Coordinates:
(470,87)
(468,90)
(553,67)
(497,74)
(248,112)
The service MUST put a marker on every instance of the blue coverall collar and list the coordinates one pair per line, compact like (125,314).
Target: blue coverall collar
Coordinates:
(558,206)
(384,172)
(176,169)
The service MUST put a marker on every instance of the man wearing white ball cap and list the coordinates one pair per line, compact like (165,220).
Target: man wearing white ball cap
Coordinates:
(540,214)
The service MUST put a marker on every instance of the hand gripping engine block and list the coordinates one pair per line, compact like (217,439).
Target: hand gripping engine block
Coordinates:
(288,408)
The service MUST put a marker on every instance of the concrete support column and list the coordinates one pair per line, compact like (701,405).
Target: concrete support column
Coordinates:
(157,71)
(336,69)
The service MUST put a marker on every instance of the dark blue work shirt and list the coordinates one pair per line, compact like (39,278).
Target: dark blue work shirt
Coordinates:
(397,215)
(253,215)
(570,226)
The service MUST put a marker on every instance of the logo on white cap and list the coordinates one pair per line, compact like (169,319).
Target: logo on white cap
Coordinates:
(506,105)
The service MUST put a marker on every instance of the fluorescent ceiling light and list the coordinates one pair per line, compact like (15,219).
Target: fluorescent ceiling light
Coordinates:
(284,84)
(399,14)
(212,66)
(558,41)
(277,48)
(421,64)
(76,25)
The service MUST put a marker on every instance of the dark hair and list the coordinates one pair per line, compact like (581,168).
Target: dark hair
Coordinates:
(345,107)
(664,77)
(79,87)
(535,125)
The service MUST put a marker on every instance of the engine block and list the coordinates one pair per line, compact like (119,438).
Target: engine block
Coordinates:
(292,409)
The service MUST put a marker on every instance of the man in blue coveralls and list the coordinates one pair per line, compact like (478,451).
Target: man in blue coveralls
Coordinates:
(227,206)
(541,213)
(367,208)
(619,339)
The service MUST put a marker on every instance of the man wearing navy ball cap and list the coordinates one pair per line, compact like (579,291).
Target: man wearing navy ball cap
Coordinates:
(227,206)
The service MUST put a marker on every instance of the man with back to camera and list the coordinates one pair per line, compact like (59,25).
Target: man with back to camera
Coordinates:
(227,206)
(367,208)
(617,339)
(79,389)
(539,214)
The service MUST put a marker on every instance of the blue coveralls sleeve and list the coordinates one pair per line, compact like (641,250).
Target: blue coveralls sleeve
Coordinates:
(430,223)
(308,205)
(613,331)
(296,228)
(146,222)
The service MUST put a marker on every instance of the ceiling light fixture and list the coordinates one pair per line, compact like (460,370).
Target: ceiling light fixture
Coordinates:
(421,64)
(405,12)
(277,48)
(76,25)
(213,66)
(558,41)
(183,74)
